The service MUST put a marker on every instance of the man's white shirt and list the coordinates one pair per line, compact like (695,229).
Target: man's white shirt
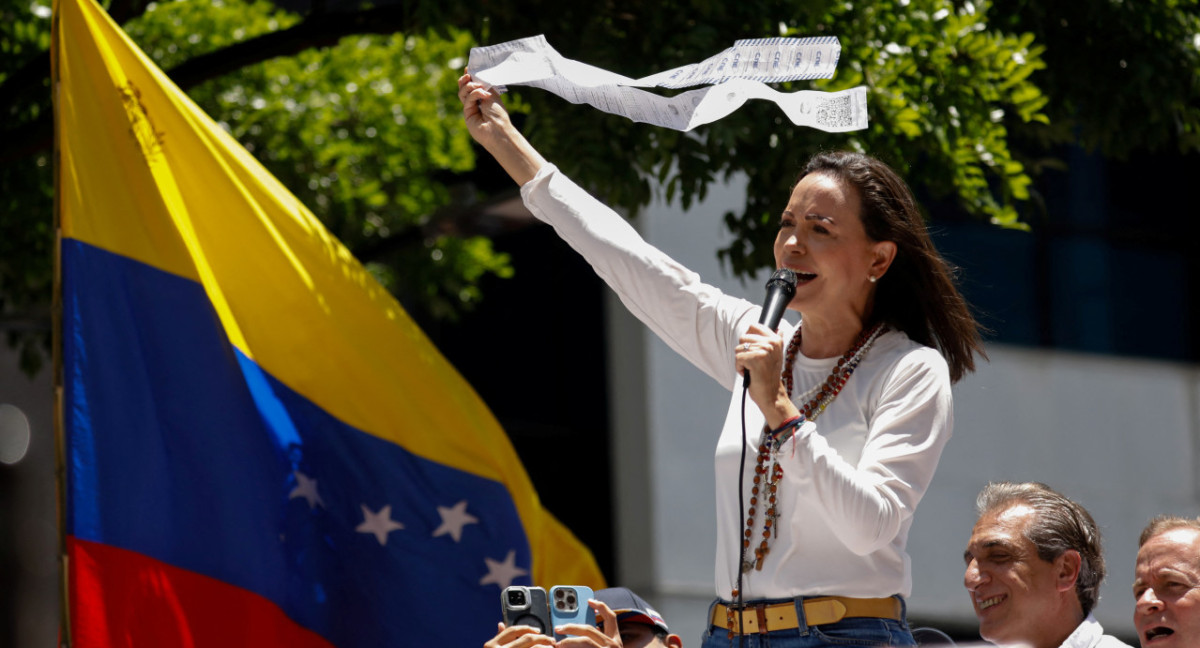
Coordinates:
(1090,634)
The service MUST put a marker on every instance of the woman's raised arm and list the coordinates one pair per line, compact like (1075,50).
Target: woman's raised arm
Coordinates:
(488,123)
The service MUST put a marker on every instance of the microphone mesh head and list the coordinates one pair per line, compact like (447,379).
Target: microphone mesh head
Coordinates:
(784,279)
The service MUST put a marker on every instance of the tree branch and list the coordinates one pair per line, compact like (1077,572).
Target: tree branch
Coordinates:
(320,30)
(122,11)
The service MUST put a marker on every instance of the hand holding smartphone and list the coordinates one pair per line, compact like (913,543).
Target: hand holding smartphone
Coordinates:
(521,605)
(568,604)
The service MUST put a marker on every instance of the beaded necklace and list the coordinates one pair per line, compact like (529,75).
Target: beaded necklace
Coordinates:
(837,378)
(767,465)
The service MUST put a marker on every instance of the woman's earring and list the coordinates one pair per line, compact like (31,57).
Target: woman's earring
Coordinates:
(871,278)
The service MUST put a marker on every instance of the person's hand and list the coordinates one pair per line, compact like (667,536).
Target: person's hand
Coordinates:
(488,123)
(582,635)
(518,636)
(760,351)
(486,118)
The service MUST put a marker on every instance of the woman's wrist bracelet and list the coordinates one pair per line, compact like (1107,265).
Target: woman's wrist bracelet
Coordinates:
(790,424)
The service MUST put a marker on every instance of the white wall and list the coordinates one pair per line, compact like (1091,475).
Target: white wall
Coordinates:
(1117,435)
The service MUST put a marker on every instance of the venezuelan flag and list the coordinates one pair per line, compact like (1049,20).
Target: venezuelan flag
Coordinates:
(261,447)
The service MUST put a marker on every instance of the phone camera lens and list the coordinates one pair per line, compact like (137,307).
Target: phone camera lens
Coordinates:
(516,597)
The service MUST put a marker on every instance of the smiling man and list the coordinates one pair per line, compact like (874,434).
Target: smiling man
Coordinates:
(1034,569)
(1167,584)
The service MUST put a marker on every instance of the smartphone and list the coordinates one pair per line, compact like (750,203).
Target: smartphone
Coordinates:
(526,606)
(568,604)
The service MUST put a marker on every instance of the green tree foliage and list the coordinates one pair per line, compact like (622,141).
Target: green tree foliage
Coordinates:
(26,184)
(361,132)
(1122,76)
(943,85)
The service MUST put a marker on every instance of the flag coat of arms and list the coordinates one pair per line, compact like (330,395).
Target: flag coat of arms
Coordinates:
(261,447)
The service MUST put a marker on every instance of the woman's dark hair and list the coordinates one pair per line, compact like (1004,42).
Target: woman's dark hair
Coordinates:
(918,294)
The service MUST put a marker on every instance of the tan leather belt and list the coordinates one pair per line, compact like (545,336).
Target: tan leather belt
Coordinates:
(817,611)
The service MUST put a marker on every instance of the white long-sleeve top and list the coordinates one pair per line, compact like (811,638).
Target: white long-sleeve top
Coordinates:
(852,478)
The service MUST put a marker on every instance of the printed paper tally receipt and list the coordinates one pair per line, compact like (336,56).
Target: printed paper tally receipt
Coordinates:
(735,75)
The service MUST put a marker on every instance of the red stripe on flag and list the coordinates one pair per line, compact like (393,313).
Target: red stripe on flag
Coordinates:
(121,598)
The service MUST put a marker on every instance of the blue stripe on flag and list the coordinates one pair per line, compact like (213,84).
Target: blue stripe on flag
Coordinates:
(182,449)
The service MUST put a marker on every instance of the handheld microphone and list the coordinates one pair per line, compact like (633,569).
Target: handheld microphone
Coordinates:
(781,287)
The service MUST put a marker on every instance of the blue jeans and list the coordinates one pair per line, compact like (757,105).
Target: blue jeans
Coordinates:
(858,632)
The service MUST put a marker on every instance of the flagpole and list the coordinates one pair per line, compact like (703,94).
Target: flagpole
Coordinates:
(60,464)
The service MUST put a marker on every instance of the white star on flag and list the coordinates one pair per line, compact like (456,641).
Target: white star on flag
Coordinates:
(454,518)
(502,573)
(380,523)
(306,488)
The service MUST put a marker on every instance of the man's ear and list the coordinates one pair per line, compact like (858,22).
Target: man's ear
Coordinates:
(673,641)
(1066,569)
(882,255)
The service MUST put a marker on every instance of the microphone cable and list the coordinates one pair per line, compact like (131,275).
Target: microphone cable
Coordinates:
(781,287)
(741,516)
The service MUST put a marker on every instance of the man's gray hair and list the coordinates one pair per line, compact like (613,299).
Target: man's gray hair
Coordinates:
(1164,523)
(1060,524)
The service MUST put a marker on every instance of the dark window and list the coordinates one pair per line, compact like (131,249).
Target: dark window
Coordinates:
(1108,267)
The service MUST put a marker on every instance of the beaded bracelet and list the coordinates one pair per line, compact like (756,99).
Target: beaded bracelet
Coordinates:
(783,432)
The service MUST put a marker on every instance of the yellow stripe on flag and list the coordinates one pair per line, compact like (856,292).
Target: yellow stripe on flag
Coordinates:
(166,186)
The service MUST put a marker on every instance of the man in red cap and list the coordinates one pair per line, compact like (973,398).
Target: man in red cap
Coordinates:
(625,620)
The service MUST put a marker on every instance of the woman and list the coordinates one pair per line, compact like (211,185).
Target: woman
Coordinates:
(852,408)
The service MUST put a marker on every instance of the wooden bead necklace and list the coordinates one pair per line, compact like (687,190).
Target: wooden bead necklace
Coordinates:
(837,378)
(767,466)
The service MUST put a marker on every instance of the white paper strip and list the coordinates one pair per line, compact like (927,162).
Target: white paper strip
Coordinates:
(739,73)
